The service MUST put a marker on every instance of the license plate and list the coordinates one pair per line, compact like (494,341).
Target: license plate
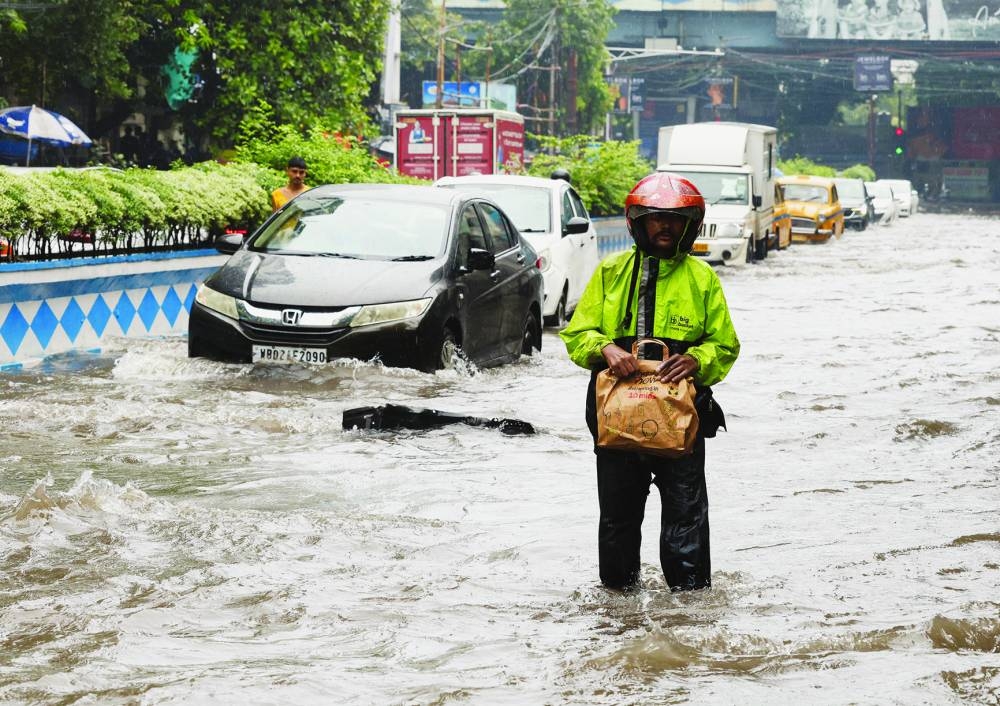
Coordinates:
(700,247)
(288,354)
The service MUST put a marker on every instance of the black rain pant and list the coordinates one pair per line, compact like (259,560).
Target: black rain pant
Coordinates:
(623,481)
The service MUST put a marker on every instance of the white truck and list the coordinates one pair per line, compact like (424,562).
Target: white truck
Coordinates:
(732,164)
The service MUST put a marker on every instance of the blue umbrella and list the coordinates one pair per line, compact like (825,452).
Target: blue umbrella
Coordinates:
(37,123)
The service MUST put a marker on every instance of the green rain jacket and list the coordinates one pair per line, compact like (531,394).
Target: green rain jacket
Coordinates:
(690,308)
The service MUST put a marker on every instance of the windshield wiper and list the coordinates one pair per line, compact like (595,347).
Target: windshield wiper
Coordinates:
(533,230)
(412,258)
(338,254)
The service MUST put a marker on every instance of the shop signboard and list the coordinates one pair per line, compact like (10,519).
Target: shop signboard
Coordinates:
(889,20)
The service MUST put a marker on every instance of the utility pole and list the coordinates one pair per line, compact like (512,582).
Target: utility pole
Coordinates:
(440,67)
(871,131)
(571,92)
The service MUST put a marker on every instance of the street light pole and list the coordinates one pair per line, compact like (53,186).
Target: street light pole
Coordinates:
(440,67)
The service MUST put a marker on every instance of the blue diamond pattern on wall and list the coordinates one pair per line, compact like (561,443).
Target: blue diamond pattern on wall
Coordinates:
(171,305)
(189,299)
(44,324)
(14,328)
(99,315)
(72,319)
(124,311)
(58,313)
(148,309)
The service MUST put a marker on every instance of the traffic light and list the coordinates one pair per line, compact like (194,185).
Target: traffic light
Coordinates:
(900,148)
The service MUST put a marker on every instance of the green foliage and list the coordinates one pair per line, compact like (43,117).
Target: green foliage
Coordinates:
(188,205)
(804,165)
(603,172)
(859,171)
(74,44)
(550,34)
(332,158)
(308,60)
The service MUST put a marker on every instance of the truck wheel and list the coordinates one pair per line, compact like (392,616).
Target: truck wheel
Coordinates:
(762,249)
(750,250)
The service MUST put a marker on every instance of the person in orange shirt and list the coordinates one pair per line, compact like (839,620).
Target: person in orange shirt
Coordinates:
(296,171)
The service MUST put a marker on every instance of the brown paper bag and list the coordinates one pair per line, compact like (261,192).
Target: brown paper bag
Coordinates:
(640,413)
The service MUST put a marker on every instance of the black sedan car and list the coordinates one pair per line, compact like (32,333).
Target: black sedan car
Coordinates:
(405,274)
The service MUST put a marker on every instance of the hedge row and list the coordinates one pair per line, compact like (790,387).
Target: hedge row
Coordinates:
(46,212)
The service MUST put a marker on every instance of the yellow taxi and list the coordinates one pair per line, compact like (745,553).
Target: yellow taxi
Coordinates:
(814,207)
(780,236)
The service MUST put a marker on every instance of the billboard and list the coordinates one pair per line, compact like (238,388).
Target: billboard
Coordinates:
(914,20)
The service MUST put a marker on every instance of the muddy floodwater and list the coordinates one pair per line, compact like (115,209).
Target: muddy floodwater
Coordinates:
(186,532)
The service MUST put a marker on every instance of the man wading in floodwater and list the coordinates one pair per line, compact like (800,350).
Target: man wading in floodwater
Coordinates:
(656,291)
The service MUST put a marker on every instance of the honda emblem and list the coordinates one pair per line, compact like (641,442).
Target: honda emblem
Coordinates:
(290,317)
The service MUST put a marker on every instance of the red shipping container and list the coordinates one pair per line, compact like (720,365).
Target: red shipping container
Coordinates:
(453,142)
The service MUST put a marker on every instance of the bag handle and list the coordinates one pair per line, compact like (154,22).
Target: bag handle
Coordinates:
(643,341)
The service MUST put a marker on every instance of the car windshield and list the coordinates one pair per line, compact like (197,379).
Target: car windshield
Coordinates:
(357,227)
(529,207)
(804,192)
(851,189)
(719,188)
(881,191)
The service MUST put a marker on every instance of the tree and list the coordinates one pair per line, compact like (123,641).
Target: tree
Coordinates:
(568,35)
(313,61)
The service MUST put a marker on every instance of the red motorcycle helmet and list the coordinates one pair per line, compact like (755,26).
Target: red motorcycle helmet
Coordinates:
(663,191)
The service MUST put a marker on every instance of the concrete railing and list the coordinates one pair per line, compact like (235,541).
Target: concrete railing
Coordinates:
(612,235)
(48,308)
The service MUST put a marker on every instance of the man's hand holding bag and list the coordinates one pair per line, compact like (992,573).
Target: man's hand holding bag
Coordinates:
(641,413)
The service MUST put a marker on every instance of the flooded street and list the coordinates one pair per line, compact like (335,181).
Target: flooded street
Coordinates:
(178,531)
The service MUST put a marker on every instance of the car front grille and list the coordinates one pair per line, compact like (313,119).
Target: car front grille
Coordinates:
(803,224)
(707,230)
(291,336)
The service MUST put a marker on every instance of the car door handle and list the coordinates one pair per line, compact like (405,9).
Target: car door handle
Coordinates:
(520,259)
(495,275)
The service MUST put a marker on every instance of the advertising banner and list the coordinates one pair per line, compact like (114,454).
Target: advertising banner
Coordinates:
(467,94)
(417,152)
(872,74)
(915,20)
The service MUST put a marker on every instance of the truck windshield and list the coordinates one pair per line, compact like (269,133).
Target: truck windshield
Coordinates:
(719,188)
(853,189)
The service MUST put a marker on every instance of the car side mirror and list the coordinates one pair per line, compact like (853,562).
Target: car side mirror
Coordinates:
(228,244)
(758,201)
(576,224)
(480,259)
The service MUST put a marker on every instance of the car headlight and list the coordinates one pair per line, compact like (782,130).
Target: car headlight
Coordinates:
(729,230)
(544,260)
(216,301)
(395,311)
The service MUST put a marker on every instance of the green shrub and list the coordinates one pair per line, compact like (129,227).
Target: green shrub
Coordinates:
(332,158)
(603,172)
(804,165)
(859,171)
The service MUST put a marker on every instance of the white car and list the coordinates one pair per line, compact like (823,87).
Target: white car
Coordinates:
(551,216)
(902,191)
(883,201)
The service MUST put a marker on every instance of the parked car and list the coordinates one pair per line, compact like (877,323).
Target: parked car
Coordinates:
(550,215)
(814,206)
(857,203)
(902,191)
(407,274)
(780,235)
(883,202)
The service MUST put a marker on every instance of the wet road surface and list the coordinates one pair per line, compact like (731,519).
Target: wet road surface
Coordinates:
(176,531)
